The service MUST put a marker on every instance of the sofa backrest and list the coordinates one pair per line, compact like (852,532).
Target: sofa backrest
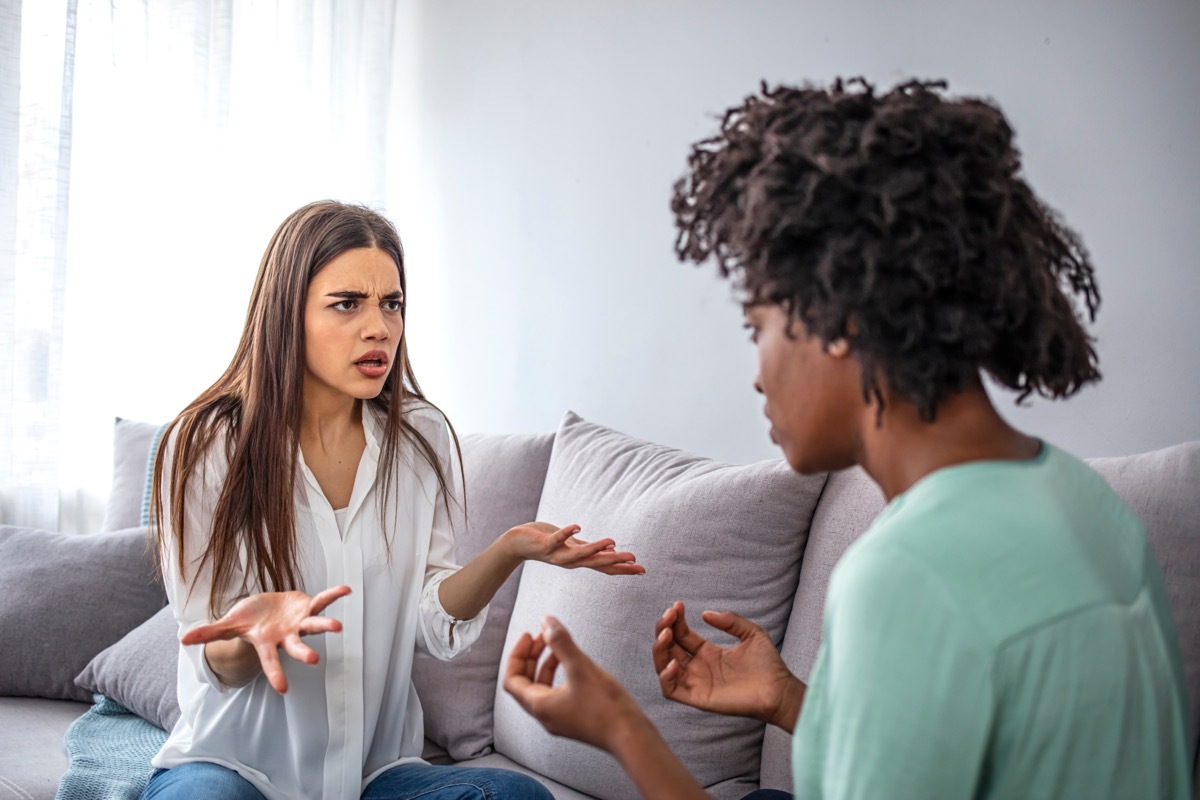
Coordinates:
(1162,487)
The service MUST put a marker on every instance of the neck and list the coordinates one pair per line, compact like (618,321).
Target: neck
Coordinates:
(901,449)
(327,417)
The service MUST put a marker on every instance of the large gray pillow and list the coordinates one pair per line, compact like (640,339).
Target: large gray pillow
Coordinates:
(713,535)
(141,670)
(504,476)
(65,598)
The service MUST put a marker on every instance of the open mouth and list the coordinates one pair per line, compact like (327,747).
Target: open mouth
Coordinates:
(373,364)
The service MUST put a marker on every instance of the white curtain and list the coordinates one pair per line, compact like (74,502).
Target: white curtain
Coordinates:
(148,148)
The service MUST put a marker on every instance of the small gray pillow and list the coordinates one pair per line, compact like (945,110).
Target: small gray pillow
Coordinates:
(131,451)
(504,483)
(140,671)
(713,535)
(67,597)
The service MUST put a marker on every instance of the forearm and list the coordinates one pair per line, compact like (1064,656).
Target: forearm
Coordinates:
(465,593)
(655,770)
(233,661)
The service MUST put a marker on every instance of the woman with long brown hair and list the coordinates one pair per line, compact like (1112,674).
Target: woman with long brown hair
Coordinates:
(313,471)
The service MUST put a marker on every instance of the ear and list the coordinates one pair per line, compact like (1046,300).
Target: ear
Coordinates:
(838,348)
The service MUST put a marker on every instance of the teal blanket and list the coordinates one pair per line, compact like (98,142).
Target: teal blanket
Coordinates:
(110,749)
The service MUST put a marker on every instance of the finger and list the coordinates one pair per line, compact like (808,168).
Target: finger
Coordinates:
(314,625)
(668,617)
(732,623)
(668,679)
(564,648)
(685,637)
(322,599)
(660,651)
(268,657)
(560,536)
(545,673)
(519,661)
(524,691)
(299,650)
(622,569)
(602,557)
(539,646)
(666,649)
(209,632)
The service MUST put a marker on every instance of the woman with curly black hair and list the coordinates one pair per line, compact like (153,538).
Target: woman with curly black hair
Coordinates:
(1002,630)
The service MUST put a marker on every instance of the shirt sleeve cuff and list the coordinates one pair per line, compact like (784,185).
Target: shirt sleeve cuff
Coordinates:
(194,653)
(444,637)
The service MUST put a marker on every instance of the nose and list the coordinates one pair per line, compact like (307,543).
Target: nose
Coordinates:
(375,326)
(758,384)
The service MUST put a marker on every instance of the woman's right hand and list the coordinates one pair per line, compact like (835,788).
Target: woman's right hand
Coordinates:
(270,621)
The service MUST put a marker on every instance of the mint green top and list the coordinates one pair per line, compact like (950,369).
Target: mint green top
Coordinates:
(1001,631)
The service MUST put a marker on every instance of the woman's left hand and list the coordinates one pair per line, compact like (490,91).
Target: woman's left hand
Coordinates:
(541,541)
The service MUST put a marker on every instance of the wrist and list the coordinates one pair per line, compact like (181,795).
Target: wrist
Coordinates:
(508,548)
(787,710)
(631,735)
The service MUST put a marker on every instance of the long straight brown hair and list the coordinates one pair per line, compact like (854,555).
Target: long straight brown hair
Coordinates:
(253,410)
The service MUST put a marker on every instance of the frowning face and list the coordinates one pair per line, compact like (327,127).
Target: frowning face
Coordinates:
(353,321)
(813,395)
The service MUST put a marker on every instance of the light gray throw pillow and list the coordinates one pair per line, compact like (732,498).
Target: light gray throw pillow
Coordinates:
(504,476)
(131,451)
(713,535)
(67,597)
(140,671)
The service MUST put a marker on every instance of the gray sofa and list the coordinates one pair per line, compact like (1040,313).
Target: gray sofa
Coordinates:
(755,539)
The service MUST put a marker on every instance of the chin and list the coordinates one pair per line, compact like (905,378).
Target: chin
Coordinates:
(806,461)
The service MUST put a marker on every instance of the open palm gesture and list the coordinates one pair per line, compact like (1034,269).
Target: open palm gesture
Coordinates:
(748,679)
(541,541)
(272,621)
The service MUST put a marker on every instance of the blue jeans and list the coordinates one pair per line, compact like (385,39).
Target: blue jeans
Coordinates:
(200,780)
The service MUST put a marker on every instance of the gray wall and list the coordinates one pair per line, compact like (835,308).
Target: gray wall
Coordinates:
(547,137)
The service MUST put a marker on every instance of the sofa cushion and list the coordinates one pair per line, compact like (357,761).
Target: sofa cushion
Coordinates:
(32,758)
(1161,487)
(140,671)
(712,535)
(504,477)
(67,597)
(131,450)
(848,506)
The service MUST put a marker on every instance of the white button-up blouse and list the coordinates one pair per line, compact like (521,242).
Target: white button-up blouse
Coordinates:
(356,713)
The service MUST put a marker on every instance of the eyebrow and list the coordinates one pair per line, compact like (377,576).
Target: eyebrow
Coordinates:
(348,295)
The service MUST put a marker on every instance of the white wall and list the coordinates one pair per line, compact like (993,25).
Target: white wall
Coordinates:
(549,134)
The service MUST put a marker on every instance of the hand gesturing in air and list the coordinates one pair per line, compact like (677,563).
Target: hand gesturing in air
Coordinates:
(748,679)
(541,541)
(268,622)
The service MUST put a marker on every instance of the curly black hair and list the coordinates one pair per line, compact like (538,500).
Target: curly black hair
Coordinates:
(901,223)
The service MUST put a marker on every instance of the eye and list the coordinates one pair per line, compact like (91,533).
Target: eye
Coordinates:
(753,331)
(345,305)
(393,305)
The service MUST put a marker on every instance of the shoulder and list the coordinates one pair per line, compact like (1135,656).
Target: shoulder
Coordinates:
(421,418)
(212,440)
